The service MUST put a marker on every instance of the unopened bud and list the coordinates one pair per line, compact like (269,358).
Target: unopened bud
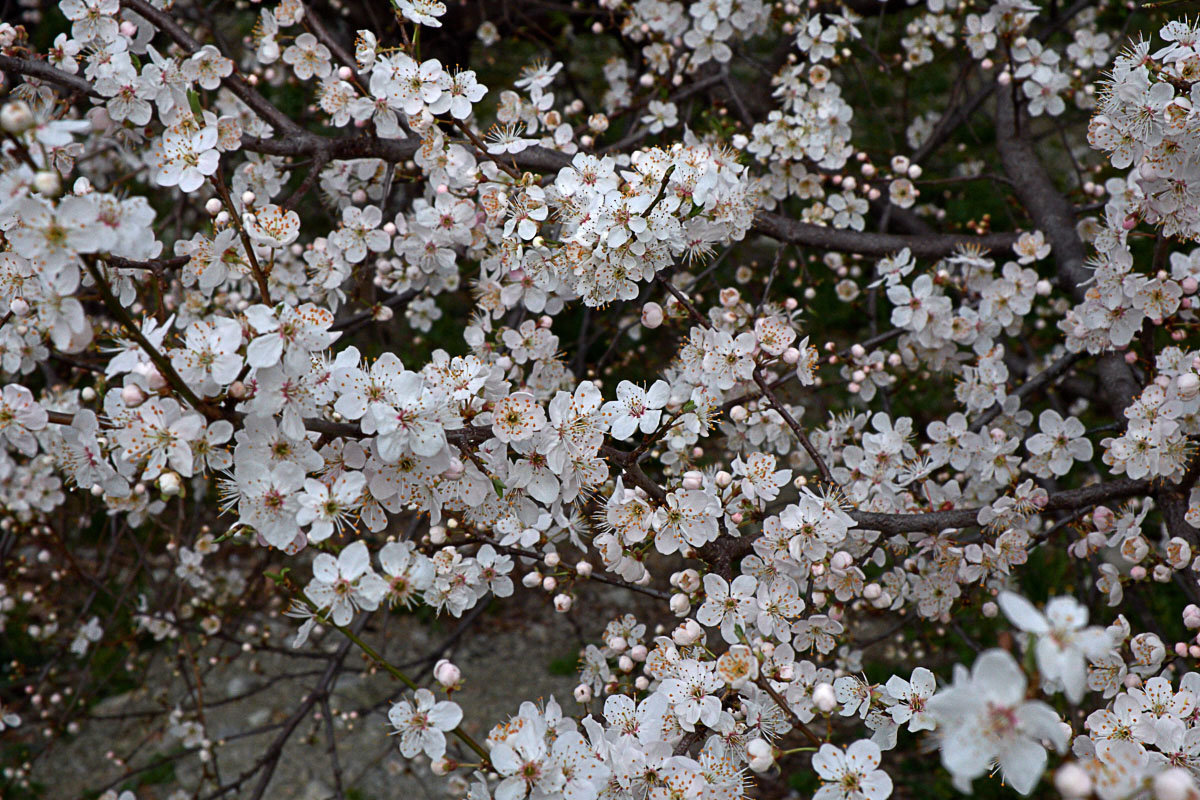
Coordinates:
(824,698)
(169,484)
(447,674)
(132,395)
(652,315)
(16,117)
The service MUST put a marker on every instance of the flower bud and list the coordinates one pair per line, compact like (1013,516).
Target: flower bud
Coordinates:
(16,117)
(583,693)
(638,652)
(132,395)
(19,306)
(724,479)
(583,569)
(447,674)
(169,484)
(1072,781)
(652,315)
(531,579)
(442,766)
(562,602)
(824,698)
(1189,385)
(680,605)
(1173,784)
(47,183)
(549,583)
(689,580)
(456,469)
(1104,518)
(762,755)
(738,413)
(625,664)
(553,560)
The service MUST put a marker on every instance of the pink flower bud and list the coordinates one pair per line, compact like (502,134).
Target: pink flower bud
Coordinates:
(132,395)
(652,315)
(447,674)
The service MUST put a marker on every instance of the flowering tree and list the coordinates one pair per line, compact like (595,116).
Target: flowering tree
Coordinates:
(850,338)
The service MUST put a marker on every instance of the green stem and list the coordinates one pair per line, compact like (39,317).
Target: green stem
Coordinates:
(374,655)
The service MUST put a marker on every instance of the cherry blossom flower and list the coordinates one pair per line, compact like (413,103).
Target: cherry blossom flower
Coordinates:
(983,717)
(20,416)
(1063,643)
(517,417)
(636,408)
(345,584)
(327,508)
(729,606)
(912,696)
(851,774)
(308,57)
(422,724)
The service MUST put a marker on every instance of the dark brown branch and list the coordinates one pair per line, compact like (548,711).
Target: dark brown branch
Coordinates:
(769,394)
(934,245)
